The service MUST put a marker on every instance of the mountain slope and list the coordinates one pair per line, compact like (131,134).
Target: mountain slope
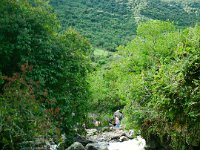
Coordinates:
(106,23)
(182,13)
(110,23)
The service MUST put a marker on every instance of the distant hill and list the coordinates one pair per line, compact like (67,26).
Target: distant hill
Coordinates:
(109,23)
(181,12)
(106,23)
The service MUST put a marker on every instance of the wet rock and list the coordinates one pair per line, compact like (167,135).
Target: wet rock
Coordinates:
(91,132)
(76,146)
(115,137)
(104,129)
(123,138)
(107,136)
(83,140)
(130,134)
(97,146)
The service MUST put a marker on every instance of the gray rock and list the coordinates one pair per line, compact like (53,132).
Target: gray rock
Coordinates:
(107,136)
(130,134)
(91,132)
(97,146)
(84,141)
(76,146)
(123,138)
(116,137)
(104,129)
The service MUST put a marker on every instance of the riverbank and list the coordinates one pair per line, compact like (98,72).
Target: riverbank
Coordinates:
(109,139)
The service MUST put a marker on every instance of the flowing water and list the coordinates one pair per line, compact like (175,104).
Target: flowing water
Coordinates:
(135,144)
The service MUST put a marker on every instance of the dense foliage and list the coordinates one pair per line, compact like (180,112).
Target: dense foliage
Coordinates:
(110,23)
(182,14)
(57,64)
(157,78)
(107,24)
(22,116)
(45,69)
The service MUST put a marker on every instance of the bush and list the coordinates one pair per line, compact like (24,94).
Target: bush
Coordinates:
(22,116)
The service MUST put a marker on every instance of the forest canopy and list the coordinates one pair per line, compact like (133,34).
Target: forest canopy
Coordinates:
(141,57)
(156,83)
(110,23)
(42,74)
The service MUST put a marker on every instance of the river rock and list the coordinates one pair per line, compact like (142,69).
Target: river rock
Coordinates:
(76,146)
(130,134)
(82,140)
(107,136)
(104,129)
(97,146)
(123,138)
(91,132)
(116,137)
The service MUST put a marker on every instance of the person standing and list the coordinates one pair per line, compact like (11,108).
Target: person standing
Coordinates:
(117,122)
(118,114)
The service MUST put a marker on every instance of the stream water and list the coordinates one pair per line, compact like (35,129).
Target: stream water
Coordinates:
(134,144)
(111,139)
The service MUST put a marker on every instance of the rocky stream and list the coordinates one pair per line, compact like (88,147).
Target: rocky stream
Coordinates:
(108,139)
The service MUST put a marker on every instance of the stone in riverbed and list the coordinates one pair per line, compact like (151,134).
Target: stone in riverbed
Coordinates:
(123,138)
(116,137)
(97,146)
(82,140)
(76,146)
(91,132)
(105,129)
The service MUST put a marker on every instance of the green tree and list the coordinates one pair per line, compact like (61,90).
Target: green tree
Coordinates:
(157,78)
(59,62)
(164,104)
(104,23)
(22,117)
(73,93)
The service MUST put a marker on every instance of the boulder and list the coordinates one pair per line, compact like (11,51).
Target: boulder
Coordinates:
(130,134)
(76,146)
(82,140)
(105,129)
(107,136)
(116,137)
(117,134)
(97,146)
(91,132)
(123,138)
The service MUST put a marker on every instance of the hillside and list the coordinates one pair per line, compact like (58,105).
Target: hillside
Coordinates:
(72,73)
(182,13)
(110,23)
(106,23)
